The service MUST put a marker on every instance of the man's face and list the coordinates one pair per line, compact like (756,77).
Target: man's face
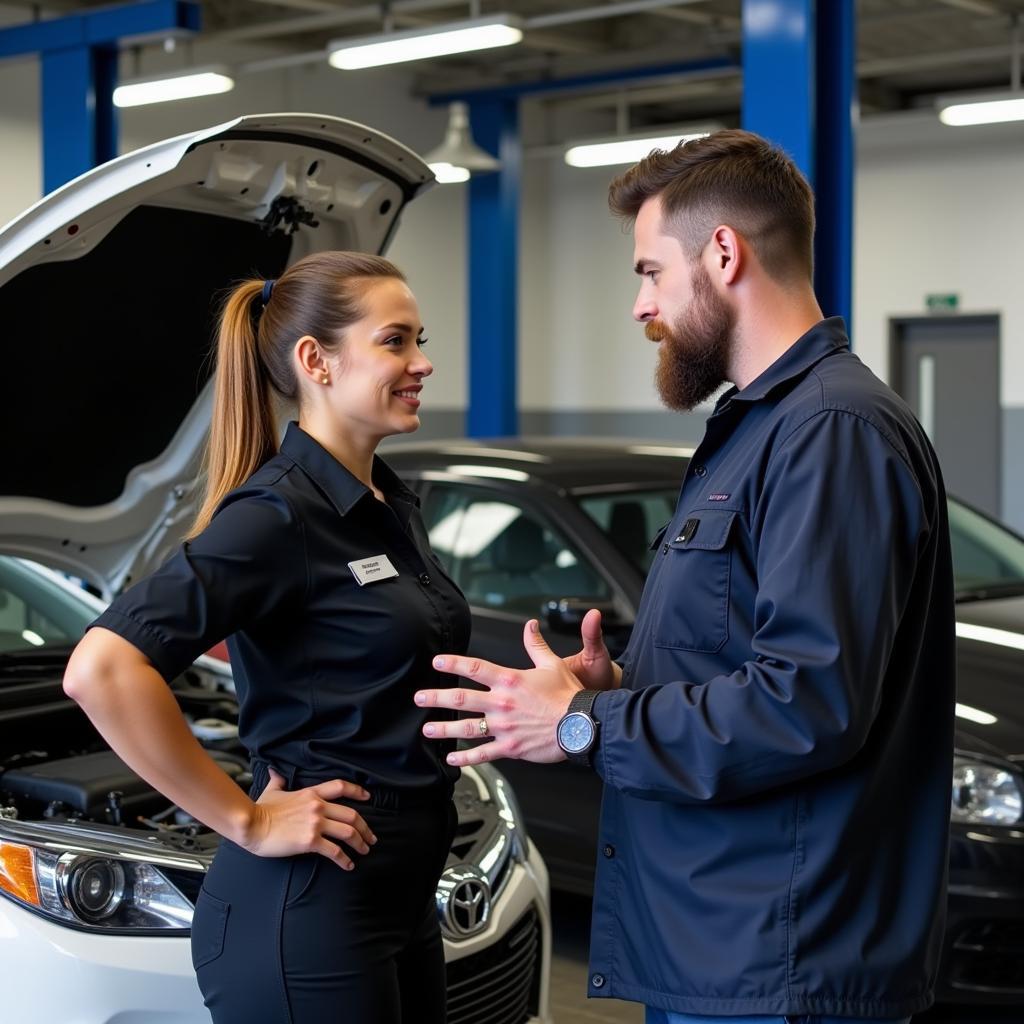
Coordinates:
(681,310)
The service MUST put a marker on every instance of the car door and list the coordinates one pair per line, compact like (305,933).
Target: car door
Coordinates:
(510,557)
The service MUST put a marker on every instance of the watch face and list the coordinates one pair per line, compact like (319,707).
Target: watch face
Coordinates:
(575,732)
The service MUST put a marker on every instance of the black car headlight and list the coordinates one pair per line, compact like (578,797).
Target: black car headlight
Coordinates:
(984,793)
(92,889)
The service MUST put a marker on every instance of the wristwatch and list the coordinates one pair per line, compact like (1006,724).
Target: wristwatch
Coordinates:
(577,729)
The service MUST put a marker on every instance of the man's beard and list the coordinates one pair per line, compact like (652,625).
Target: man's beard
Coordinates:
(693,361)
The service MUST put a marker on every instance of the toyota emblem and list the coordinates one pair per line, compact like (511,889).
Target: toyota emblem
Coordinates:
(463,901)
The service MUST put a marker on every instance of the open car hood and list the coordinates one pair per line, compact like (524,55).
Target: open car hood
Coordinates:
(109,290)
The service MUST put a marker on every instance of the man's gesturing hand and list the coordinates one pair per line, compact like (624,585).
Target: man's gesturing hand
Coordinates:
(593,665)
(520,706)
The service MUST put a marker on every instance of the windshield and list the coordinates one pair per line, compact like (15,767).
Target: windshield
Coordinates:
(38,613)
(988,560)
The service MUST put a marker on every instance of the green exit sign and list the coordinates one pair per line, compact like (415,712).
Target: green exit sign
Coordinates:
(942,302)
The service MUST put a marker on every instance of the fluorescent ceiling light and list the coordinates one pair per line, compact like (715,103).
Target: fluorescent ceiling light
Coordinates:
(181,85)
(449,174)
(990,108)
(418,44)
(629,150)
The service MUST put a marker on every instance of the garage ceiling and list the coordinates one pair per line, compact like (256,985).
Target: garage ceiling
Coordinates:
(909,51)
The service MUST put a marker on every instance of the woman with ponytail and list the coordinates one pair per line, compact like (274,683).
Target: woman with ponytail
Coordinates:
(312,560)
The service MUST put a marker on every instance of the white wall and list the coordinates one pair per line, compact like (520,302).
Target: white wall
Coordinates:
(940,210)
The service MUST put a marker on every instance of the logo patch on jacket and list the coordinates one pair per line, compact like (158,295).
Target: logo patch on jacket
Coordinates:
(719,497)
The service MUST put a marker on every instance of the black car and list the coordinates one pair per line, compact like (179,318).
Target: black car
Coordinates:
(550,528)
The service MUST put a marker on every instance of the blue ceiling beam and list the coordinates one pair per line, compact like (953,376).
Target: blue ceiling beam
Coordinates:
(550,85)
(799,90)
(78,63)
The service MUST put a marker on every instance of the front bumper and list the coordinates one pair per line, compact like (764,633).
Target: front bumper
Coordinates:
(502,975)
(983,953)
(57,974)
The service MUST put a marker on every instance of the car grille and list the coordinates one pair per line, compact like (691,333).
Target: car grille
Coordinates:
(501,984)
(989,957)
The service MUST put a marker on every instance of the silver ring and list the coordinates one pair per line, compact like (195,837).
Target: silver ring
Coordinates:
(482,726)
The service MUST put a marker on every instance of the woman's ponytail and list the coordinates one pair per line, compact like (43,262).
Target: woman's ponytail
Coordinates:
(243,434)
(321,296)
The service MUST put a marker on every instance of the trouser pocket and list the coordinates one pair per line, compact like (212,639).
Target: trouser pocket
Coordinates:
(209,924)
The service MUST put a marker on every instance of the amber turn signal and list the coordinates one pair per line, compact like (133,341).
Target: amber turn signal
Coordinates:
(18,873)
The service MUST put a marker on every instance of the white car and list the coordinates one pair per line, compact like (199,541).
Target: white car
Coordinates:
(109,281)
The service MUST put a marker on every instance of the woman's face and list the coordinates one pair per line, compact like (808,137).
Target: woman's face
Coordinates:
(377,375)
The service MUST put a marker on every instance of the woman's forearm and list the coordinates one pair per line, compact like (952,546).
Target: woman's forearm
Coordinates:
(134,710)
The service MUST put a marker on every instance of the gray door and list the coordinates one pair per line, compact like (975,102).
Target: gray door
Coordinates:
(947,369)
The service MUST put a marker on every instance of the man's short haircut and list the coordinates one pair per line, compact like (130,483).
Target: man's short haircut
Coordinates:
(730,177)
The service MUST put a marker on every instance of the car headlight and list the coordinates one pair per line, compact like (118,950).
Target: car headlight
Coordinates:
(92,889)
(984,794)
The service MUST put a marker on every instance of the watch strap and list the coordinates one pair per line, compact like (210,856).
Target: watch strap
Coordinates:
(583,701)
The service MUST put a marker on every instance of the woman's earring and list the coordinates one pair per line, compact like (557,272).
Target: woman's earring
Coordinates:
(326,380)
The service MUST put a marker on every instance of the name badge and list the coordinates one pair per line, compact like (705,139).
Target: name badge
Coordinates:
(370,570)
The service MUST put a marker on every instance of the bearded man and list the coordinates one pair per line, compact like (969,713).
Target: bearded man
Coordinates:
(776,741)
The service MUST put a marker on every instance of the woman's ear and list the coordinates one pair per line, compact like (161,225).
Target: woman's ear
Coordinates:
(311,361)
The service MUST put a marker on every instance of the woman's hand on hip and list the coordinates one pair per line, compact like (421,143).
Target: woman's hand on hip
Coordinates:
(307,820)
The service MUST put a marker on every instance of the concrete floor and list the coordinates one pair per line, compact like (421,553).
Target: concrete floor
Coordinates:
(569,1003)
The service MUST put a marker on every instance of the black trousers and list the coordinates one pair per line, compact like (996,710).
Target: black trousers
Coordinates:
(298,940)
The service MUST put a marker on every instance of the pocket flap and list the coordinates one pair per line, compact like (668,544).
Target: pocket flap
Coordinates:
(704,529)
(658,537)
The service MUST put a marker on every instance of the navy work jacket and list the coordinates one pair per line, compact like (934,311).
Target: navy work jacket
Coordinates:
(325,668)
(777,763)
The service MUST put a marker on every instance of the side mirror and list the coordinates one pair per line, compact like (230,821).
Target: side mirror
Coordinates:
(565,615)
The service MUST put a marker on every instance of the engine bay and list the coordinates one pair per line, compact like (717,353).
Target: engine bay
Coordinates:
(54,766)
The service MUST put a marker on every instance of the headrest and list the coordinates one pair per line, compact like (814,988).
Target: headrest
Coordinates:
(519,547)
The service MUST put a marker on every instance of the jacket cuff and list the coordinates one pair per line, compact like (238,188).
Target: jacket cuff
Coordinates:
(607,708)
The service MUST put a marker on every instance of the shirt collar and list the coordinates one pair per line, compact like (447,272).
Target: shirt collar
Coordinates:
(340,486)
(825,338)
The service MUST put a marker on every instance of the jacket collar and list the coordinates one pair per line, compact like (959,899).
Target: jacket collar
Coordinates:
(824,339)
(337,483)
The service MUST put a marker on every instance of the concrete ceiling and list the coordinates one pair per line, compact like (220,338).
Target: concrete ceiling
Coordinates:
(908,52)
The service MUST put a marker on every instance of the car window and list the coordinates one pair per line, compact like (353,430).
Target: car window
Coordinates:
(503,556)
(986,557)
(35,611)
(631,519)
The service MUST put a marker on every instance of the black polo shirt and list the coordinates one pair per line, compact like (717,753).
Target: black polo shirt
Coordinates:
(325,667)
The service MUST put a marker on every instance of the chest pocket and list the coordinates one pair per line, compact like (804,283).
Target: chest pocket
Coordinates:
(692,611)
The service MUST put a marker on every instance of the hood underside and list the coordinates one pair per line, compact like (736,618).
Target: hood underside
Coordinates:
(109,291)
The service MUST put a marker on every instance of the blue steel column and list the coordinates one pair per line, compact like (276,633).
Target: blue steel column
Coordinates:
(79,125)
(493,255)
(799,91)
(78,60)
